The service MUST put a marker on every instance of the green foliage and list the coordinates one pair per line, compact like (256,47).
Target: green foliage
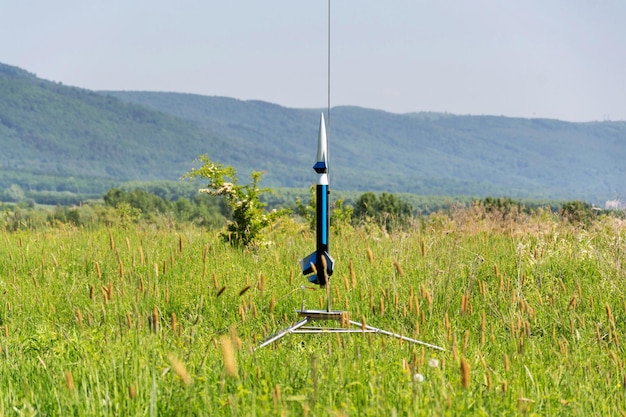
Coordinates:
(308,211)
(14,193)
(341,215)
(578,212)
(135,321)
(248,215)
(386,210)
(138,204)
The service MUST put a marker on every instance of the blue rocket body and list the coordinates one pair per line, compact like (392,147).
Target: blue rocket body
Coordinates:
(323,263)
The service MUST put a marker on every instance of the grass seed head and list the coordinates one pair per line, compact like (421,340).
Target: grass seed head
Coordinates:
(228,355)
(69,381)
(244,290)
(398,267)
(179,369)
(465,373)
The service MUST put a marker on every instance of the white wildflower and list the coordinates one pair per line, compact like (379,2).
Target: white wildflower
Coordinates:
(417,377)
(433,363)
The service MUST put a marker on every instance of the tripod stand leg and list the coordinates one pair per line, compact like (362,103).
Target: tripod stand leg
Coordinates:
(283,332)
(396,335)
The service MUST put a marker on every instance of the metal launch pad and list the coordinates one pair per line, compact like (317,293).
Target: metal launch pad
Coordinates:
(346,323)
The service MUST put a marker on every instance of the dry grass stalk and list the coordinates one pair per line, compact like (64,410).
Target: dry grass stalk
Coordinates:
(426,295)
(179,369)
(272,304)
(398,267)
(98,271)
(129,321)
(352,274)
(609,315)
(370,255)
(215,283)
(466,341)
(482,288)
(423,248)
(79,317)
(276,395)
(111,241)
(69,381)
(465,373)
(141,257)
(174,322)
(132,391)
(105,294)
(464,300)
(228,355)
(482,328)
(261,283)
(242,313)
(154,323)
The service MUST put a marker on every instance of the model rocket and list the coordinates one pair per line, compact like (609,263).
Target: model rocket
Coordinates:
(320,263)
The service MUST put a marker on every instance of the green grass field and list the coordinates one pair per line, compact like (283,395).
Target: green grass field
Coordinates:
(164,320)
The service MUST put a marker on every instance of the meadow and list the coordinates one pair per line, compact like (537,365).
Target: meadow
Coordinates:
(164,320)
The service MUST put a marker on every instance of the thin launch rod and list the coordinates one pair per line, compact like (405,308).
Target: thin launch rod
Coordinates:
(328,111)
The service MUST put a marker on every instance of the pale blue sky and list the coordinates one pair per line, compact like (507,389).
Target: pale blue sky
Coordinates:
(563,59)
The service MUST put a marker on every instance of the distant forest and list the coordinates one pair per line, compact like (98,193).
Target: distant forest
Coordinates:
(64,144)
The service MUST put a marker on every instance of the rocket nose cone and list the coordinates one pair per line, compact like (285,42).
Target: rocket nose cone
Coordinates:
(322,145)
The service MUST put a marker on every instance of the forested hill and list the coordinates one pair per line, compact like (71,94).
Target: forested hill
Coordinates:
(65,138)
(423,153)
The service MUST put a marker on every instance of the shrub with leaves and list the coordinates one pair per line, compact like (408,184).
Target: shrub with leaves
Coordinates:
(388,211)
(248,214)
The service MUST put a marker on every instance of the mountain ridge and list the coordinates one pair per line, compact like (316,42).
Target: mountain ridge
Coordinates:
(58,132)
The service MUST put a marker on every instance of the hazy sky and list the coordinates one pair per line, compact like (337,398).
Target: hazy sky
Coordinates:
(562,59)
